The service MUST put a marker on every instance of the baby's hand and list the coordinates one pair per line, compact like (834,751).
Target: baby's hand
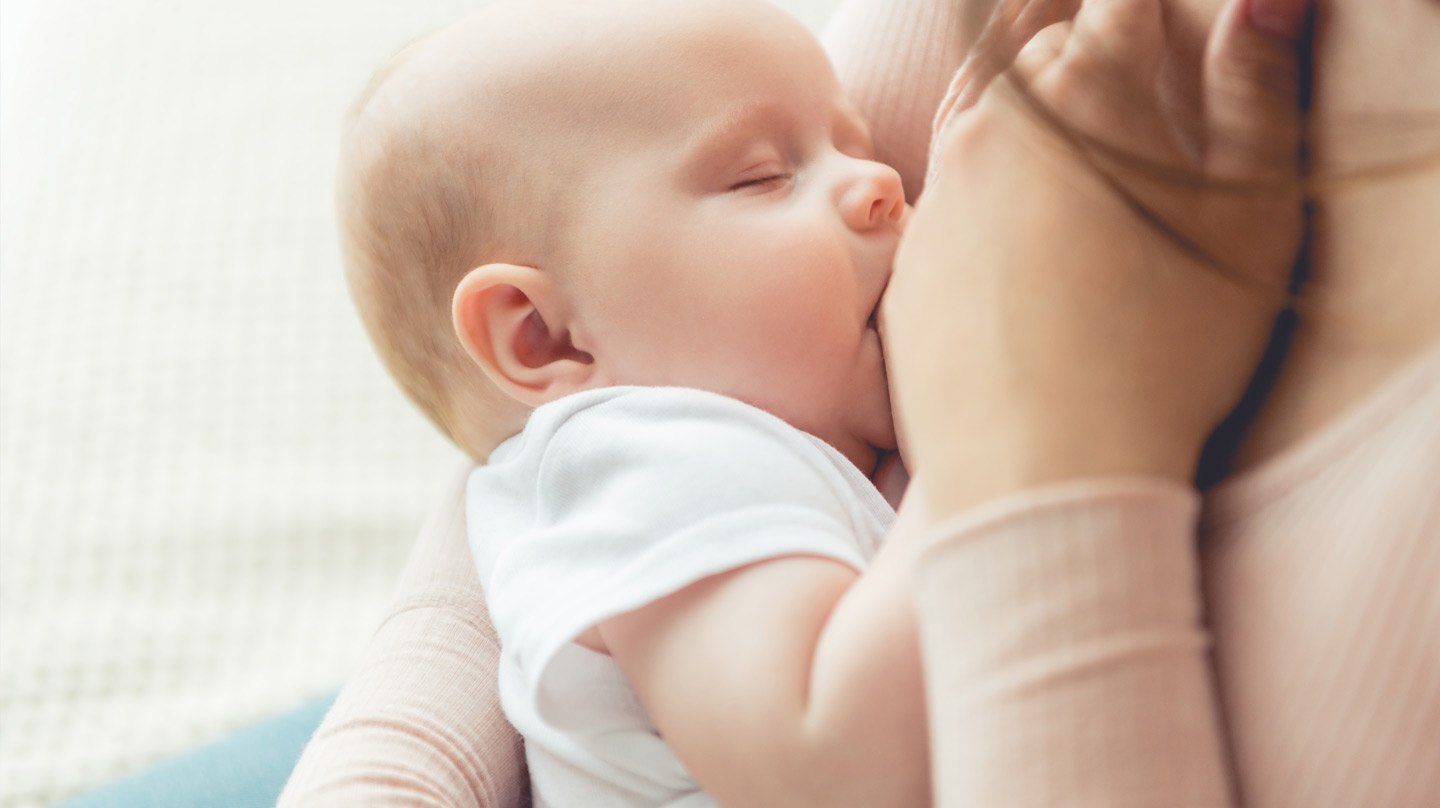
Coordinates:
(1087,285)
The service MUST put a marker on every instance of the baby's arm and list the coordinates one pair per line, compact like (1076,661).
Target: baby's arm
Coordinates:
(789,682)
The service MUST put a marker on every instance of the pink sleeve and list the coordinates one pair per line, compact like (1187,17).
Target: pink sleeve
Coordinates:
(419,724)
(1065,655)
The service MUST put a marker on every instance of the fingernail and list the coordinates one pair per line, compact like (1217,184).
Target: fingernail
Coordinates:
(1283,18)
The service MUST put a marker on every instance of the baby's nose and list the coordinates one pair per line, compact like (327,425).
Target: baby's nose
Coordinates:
(875,199)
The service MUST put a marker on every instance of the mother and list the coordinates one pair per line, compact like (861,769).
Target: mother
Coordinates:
(1078,373)
(1078,377)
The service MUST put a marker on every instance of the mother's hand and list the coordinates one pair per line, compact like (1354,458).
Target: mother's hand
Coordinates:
(1058,311)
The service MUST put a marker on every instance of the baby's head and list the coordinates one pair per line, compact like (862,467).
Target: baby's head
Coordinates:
(549,197)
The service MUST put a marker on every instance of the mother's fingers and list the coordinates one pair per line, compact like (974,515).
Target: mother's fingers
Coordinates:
(1251,90)
(1104,87)
(1043,50)
(1007,28)
(1122,35)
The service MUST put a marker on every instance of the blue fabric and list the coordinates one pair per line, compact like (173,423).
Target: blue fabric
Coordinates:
(246,770)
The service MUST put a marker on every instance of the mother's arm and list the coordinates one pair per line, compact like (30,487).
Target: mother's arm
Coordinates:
(419,724)
(1056,361)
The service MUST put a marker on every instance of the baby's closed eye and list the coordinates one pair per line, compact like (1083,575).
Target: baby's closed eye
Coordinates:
(760,182)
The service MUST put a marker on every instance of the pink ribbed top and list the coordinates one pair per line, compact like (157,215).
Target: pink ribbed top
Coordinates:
(1072,660)
(1322,583)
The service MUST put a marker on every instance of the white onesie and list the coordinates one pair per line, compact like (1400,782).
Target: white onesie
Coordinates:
(611,499)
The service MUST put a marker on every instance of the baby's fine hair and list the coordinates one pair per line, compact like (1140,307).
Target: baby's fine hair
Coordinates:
(416,211)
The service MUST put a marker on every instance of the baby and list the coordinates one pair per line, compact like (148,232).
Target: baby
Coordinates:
(629,254)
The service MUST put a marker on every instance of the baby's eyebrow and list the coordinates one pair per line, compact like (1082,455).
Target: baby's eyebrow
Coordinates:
(716,134)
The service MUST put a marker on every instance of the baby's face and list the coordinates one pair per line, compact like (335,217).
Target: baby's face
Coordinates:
(734,234)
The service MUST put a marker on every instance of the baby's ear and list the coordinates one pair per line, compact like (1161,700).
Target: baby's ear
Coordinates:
(512,321)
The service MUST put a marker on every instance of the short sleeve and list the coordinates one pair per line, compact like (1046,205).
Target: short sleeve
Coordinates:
(625,496)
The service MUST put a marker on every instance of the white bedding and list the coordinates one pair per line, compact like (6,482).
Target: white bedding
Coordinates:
(207,484)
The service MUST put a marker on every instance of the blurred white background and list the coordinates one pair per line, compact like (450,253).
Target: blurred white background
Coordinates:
(207,484)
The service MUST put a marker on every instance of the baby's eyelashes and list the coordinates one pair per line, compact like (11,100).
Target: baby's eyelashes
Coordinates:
(760,182)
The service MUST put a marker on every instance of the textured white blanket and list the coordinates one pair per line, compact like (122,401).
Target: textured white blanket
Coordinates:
(207,484)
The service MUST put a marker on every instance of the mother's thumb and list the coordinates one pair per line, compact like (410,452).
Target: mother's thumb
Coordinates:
(1252,89)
